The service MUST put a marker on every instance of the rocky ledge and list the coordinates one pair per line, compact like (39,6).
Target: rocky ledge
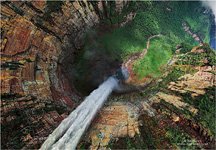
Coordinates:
(38,41)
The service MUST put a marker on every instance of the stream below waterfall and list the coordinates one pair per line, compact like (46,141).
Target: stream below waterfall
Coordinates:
(213,35)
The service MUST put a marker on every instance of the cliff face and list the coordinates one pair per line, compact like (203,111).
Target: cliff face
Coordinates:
(40,43)
(39,40)
(175,112)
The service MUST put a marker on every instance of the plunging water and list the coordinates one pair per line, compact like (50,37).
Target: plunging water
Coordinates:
(213,35)
(69,132)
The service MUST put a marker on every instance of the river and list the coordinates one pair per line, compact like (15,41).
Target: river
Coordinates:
(213,35)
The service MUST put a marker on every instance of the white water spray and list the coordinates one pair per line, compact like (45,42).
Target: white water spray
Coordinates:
(69,132)
(210,4)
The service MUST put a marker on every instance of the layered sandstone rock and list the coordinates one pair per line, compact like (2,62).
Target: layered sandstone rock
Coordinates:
(38,46)
(119,119)
(38,41)
(197,83)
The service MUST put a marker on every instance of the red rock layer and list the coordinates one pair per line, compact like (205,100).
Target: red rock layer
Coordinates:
(37,42)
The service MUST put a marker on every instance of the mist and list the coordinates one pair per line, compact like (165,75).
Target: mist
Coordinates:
(211,5)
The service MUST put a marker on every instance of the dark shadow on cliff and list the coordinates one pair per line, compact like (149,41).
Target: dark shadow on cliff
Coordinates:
(91,64)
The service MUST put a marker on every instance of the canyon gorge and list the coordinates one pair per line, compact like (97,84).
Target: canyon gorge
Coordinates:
(54,54)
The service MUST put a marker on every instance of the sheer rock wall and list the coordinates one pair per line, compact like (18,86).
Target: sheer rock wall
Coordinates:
(38,39)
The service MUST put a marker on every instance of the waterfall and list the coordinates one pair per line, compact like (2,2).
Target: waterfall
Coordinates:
(213,35)
(69,132)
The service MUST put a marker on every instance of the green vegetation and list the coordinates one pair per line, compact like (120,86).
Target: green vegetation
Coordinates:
(210,54)
(158,55)
(129,143)
(180,139)
(21,119)
(206,106)
(166,18)
(151,18)
(202,28)
(198,59)
(151,137)
(185,47)
(83,145)
(174,74)
(204,103)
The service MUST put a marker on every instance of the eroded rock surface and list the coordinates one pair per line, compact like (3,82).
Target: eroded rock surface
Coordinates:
(116,120)
(167,108)
(196,83)
(39,40)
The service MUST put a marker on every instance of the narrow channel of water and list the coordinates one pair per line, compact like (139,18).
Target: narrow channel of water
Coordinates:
(213,35)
